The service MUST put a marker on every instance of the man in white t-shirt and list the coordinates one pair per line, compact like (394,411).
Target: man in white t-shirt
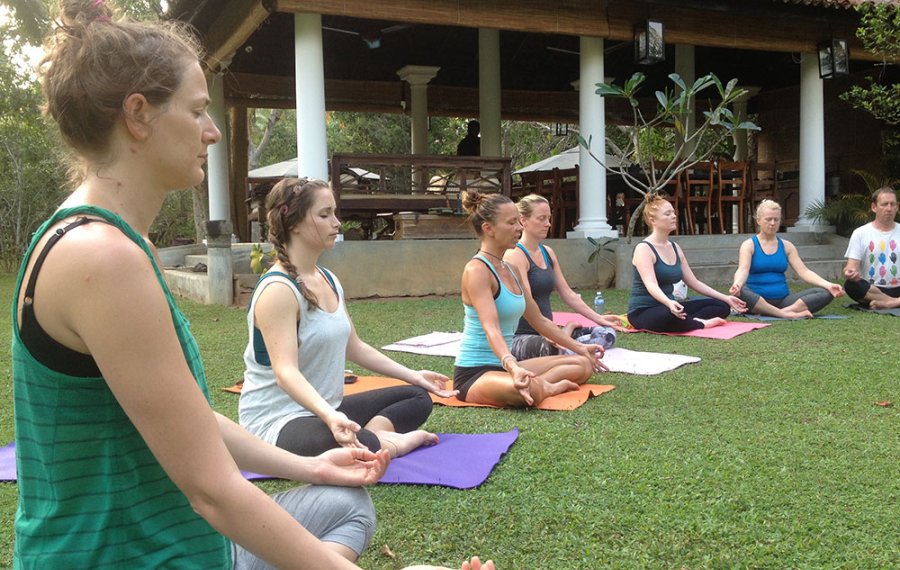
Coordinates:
(873,256)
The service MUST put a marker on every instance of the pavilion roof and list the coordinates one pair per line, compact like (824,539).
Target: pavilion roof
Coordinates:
(840,3)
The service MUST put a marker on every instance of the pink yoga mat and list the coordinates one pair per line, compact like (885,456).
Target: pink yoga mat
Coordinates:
(727,331)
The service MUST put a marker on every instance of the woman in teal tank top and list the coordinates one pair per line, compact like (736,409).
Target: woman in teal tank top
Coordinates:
(121,461)
(495,295)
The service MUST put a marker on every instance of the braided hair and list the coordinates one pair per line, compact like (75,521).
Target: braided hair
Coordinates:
(287,205)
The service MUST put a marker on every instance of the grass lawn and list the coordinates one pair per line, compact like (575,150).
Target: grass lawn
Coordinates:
(769,453)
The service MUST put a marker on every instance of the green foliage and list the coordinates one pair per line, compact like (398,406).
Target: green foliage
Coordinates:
(879,31)
(689,145)
(175,222)
(850,210)
(260,260)
(32,173)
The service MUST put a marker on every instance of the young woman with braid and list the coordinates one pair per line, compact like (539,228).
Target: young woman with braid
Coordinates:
(300,337)
(495,295)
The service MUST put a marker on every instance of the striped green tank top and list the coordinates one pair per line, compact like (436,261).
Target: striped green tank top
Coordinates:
(91,494)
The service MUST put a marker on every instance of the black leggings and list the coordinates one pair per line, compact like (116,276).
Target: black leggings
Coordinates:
(857,290)
(661,319)
(407,407)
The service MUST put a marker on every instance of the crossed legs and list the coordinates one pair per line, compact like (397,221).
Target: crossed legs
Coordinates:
(554,375)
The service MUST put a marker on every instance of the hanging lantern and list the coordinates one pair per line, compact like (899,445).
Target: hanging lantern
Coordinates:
(649,43)
(834,58)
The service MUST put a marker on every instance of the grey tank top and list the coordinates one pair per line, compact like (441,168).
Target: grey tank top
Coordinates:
(542,283)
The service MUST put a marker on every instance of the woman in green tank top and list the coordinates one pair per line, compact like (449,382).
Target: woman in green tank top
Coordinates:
(121,461)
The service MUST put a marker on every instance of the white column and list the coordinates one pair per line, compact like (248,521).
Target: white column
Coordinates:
(220,273)
(418,77)
(685,67)
(309,70)
(812,143)
(489,91)
(592,220)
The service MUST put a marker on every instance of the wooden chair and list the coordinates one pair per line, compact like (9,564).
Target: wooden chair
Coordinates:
(733,189)
(699,187)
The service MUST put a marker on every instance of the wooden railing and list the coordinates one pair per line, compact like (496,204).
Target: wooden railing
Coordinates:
(366,185)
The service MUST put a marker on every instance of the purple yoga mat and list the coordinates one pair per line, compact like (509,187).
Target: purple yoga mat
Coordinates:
(460,461)
(8,462)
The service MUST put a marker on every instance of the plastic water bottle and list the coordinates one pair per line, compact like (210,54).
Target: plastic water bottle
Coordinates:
(599,303)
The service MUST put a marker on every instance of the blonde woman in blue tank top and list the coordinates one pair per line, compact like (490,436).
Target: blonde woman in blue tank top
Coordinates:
(760,277)
(495,295)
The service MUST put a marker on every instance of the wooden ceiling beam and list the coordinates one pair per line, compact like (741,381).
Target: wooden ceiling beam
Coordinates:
(268,92)
(726,25)
(231,30)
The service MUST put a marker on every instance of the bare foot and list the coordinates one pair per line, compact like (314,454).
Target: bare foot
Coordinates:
(540,389)
(802,315)
(884,304)
(399,444)
(714,322)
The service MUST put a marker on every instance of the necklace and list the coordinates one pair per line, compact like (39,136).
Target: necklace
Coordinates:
(500,259)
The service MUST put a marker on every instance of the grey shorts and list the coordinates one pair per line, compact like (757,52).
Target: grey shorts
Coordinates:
(343,515)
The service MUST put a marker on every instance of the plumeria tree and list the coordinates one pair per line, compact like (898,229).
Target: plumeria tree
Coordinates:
(692,143)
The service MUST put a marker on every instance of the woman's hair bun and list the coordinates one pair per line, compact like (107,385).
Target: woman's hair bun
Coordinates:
(76,15)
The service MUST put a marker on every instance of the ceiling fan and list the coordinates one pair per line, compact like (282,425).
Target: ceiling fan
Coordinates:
(371,37)
(609,49)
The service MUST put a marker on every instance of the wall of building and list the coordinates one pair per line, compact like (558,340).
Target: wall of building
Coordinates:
(852,137)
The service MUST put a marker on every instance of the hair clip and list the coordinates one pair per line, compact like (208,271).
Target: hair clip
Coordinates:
(284,210)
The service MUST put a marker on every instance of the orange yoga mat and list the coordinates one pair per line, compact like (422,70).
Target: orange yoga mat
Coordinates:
(567,401)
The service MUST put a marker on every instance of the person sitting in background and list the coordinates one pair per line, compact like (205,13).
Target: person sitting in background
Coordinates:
(541,266)
(471,144)
(760,277)
(659,264)
(872,265)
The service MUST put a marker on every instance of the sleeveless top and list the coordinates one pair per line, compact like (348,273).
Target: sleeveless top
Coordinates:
(91,493)
(666,277)
(766,277)
(542,283)
(321,356)
(474,349)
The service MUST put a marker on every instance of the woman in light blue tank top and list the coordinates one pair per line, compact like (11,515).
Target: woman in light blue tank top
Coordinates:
(760,277)
(494,297)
